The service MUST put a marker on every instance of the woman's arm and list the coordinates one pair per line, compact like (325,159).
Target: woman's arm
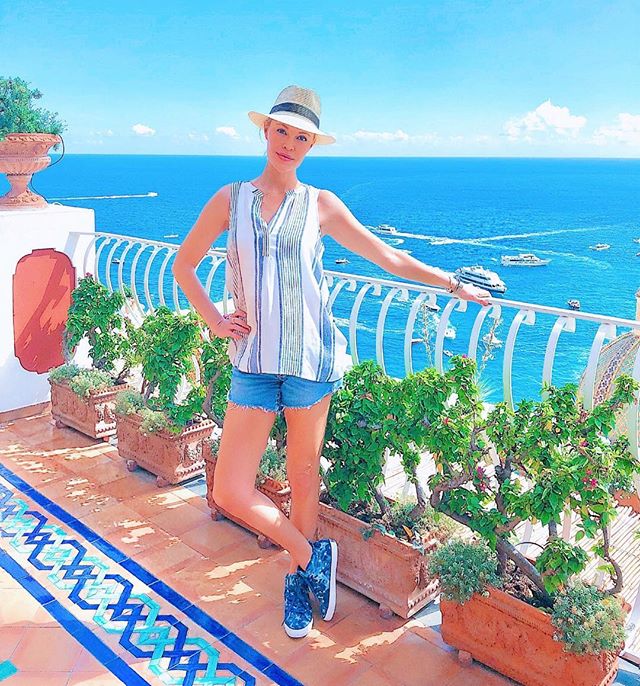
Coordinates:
(213,220)
(338,222)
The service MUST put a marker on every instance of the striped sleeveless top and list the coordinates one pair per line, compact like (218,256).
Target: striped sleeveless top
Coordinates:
(274,273)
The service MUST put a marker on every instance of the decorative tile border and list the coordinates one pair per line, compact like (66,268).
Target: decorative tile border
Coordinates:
(97,588)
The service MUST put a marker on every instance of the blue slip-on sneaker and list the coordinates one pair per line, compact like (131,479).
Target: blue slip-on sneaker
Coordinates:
(321,573)
(298,617)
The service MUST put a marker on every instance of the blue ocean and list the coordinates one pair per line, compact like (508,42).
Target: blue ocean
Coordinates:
(485,208)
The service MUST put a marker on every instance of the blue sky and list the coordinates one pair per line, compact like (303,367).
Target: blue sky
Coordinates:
(488,77)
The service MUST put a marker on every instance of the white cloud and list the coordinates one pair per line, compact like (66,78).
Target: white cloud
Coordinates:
(193,136)
(379,136)
(547,118)
(625,130)
(228,131)
(143,130)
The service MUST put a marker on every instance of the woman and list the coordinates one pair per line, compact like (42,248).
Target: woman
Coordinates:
(287,353)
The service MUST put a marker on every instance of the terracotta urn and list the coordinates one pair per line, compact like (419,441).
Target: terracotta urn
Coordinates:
(516,640)
(278,492)
(173,458)
(21,156)
(381,567)
(92,416)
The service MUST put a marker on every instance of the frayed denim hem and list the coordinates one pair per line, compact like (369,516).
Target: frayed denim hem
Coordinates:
(253,407)
(308,407)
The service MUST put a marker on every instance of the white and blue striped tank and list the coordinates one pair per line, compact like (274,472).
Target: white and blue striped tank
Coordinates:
(274,273)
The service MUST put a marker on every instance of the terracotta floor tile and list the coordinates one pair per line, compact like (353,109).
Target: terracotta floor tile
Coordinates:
(374,677)
(22,610)
(168,558)
(97,678)
(7,581)
(78,495)
(134,483)
(179,518)
(211,537)
(194,499)
(429,665)
(87,663)
(44,678)
(9,638)
(478,675)
(52,648)
(154,502)
(132,537)
(106,471)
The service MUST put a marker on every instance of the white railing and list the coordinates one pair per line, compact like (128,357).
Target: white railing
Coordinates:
(142,265)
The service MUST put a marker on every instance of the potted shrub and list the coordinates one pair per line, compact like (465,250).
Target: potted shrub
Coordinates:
(272,480)
(499,468)
(162,427)
(84,398)
(27,132)
(385,545)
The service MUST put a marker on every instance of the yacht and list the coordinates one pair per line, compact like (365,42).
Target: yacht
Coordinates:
(342,260)
(170,235)
(574,304)
(386,228)
(484,278)
(600,246)
(523,260)
(636,240)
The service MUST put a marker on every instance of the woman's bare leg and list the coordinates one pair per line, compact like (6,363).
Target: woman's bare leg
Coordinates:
(305,438)
(244,439)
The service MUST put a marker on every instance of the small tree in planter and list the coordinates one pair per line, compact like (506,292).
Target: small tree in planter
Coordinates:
(84,398)
(386,544)
(157,429)
(498,469)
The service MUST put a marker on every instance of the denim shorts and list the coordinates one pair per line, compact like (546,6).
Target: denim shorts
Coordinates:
(274,392)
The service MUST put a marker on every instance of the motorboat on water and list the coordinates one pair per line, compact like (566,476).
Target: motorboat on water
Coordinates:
(574,303)
(492,340)
(636,240)
(600,246)
(342,260)
(170,235)
(523,260)
(481,277)
(386,228)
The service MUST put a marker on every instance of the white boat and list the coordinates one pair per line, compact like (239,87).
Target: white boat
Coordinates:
(450,332)
(574,304)
(600,246)
(523,260)
(386,228)
(636,240)
(170,235)
(342,260)
(481,277)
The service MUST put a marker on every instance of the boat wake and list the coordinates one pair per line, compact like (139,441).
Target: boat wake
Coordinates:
(151,194)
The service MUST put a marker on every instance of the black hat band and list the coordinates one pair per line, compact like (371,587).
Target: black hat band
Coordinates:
(296,109)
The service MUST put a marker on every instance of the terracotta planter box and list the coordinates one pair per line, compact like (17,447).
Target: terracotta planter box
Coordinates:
(516,640)
(92,416)
(173,458)
(383,568)
(278,492)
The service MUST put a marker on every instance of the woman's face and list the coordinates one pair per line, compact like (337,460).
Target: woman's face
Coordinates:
(286,145)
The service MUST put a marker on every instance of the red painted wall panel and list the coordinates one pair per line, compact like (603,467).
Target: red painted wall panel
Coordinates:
(42,286)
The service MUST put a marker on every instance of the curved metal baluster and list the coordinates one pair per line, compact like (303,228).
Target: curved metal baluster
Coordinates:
(461,306)
(134,269)
(493,310)
(605,331)
(106,242)
(566,525)
(408,329)
(91,244)
(338,287)
(145,279)
(522,317)
(163,268)
(121,267)
(527,533)
(382,317)
(108,265)
(353,318)
(561,324)
(633,417)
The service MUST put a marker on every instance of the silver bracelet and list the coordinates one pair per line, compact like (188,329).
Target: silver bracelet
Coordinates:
(456,284)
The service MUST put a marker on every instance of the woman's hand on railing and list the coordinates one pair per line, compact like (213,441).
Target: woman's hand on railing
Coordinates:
(233,325)
(477,295)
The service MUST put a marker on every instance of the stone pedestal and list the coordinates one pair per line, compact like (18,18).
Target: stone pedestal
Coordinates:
(40,262)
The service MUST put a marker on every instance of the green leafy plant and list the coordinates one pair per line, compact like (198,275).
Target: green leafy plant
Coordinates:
(499,468)
(589,621)
(272,465)
(65,372)
(128,402)
(216,376)
(90,380)
(96,313)
(18,112)
(464,569)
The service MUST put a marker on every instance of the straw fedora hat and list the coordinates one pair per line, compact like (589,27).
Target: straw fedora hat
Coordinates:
(298,107)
